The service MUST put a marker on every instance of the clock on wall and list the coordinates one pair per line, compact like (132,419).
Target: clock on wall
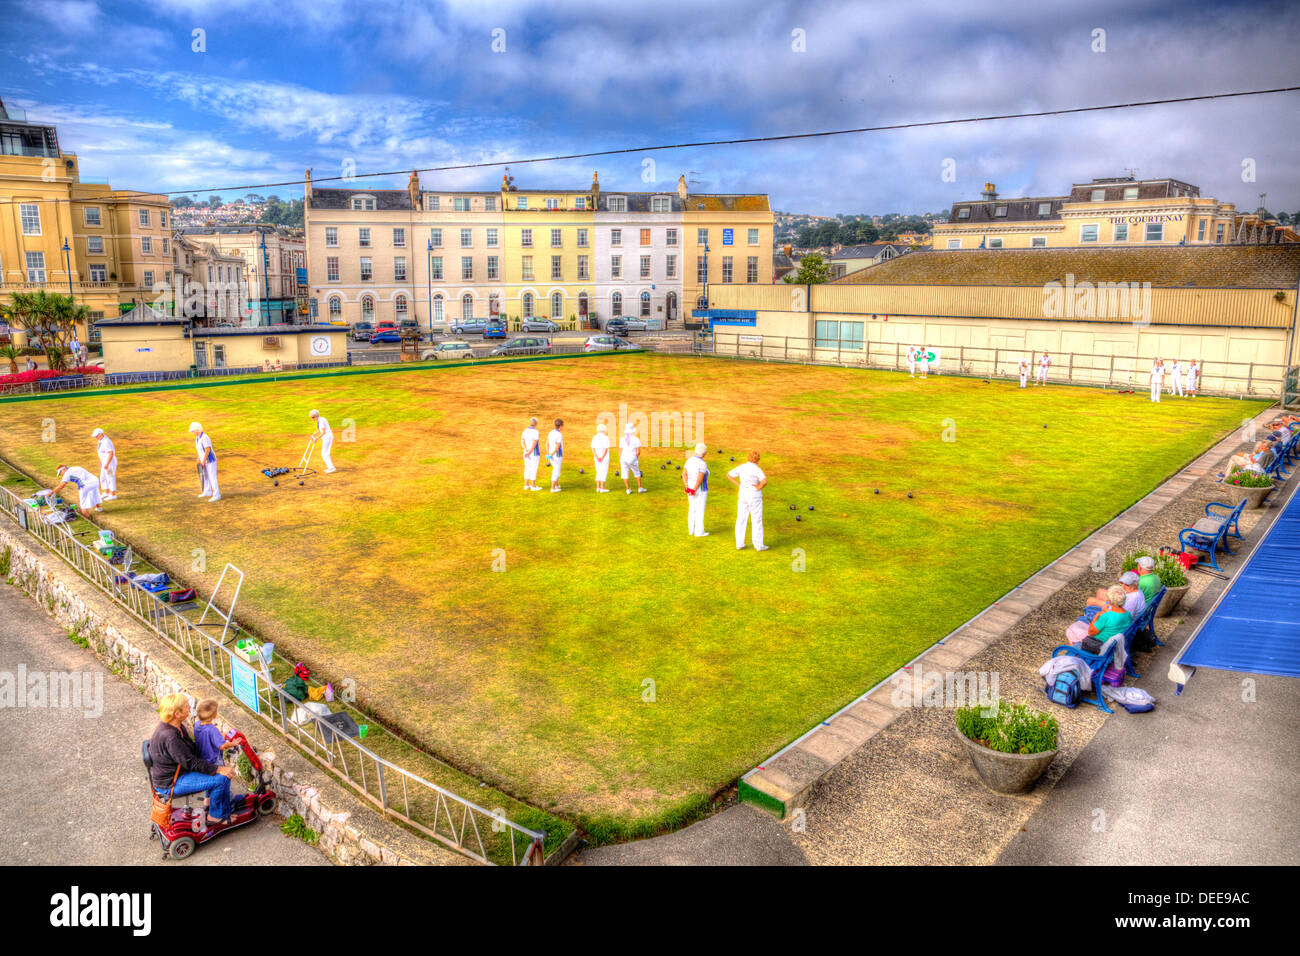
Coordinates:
(320,345)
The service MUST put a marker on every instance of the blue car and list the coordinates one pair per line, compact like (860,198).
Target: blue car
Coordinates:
(496,330)
(387,335)
(469,326)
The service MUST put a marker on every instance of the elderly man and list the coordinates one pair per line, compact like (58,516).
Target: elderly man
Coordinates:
(1157,379)
(1256,461)
(1148,580)
(600,457)
(695,477)
(751,480)
(1193,378)
(530,442)
(87,486)
(1044,364)
(555,452)
(207,459)
(1134,604)
(325,437)
(107,464)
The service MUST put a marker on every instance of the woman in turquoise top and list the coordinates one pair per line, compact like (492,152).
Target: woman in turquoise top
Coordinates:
(1113,619)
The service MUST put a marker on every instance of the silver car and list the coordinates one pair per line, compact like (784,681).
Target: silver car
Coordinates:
(600,343)
(448,352)
(539,325)
(636,323)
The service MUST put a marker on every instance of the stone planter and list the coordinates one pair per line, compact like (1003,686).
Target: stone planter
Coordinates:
(1254,496)
(1006,773)
(1173,597)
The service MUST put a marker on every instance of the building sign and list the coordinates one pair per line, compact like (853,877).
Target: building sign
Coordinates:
(728,237)
(270,341)
(751,339)
(1137,219)
(243,683)
(320,345)
(727,316)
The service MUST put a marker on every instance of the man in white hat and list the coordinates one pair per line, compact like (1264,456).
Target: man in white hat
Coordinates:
(1176,378)
(325,439)
(207,460)
(530,441)
(600,456)
(695,476)
(629,458)
(911,361)
(1044,364)
(1024,372)
(1157,379)
(750,479)
(555,452)
(87,486)
(1193,378)
(107,465)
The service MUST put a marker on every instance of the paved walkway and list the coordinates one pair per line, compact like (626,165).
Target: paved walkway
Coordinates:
(72,788)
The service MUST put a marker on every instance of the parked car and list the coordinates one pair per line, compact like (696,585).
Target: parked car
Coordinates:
(409,325)
(636,323)
(622,344)
(616,326)
(362,331)
(495,330)
(536,324)
(386,332)
(469,326)
(600,343)
(448,351)
(523,346)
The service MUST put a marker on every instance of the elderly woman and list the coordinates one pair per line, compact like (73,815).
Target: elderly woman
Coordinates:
(176,758)
(1256,461)
(1110,621)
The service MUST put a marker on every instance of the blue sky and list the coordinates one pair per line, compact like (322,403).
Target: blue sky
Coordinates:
(387,85)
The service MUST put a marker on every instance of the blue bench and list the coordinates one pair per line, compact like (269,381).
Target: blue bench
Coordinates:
(1276,468)
(1212,532)
(1146,621)
(1097,665)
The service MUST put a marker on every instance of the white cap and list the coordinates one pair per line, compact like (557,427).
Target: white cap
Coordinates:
(96,433)
(701,448)
(629,428)
(313,414)
(195,427)
(601,428)
(1146,561)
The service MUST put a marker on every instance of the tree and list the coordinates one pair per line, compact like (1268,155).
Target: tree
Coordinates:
(214,201)
(50,317)
(282,213)
(10,354)
(813,270)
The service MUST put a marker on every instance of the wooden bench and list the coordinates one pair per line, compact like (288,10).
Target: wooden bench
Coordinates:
(1212,532)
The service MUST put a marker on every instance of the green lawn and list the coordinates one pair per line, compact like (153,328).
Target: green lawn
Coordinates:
(534,679)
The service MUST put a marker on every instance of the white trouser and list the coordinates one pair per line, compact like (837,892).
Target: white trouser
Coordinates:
(1191,382)
(911,368)
(602,469)
(556,462)
(530,468)
(326,444)
(210,486)
(1155,390)
(1176,386)
(1024,378)
(1042,374)
(108,477)
(88,495)
(925,368)
(749,508)
(695,512)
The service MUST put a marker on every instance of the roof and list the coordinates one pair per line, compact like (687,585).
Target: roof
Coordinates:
(342,198)
(265,330)
(1017,210)
(870,250)
(638,202)
(1146,189)
(142,314)
(736,202)
(1206,267)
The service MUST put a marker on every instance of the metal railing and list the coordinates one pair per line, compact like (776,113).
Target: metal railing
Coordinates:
(1233,379)
(432,810)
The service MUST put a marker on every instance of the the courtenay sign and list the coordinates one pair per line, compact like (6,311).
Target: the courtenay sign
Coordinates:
(1154,217)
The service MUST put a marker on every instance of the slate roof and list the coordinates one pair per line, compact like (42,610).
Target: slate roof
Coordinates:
(1018,210)
(342,198)
(142,314)
(870,250)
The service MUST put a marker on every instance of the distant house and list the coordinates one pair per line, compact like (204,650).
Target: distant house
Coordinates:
(783,264)
(854,258)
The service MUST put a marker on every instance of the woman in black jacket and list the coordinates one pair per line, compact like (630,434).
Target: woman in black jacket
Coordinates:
(171,747)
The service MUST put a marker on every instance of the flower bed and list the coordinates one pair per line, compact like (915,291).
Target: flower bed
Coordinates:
(35,375)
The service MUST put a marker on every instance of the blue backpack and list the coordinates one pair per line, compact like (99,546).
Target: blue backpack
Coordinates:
(1065,689)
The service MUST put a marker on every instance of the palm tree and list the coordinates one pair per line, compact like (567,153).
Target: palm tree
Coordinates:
(10,352)
(47,312)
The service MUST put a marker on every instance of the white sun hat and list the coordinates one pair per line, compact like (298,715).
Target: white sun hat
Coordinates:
(195,427)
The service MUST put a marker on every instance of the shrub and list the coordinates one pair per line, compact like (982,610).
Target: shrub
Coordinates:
(1249,479)
(1167,569)
(1012,728)
(296,826)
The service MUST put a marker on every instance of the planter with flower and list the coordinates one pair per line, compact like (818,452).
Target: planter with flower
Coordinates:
(1171,574)
(1010,745)
(1252,485)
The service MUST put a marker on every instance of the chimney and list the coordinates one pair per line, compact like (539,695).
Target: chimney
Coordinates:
(990,192)
(789,250)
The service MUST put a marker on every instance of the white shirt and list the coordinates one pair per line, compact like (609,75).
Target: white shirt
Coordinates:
(323,427)
(1135,603)
(203,446)
(1175,369)
(695,466)
(79,476)
(911,354)
(1193,372)
(1044,361)
(1157,372)
(1024,368)
(105,448)
(599,444)
(530,437)
(555,443)
(749,475)
(630,446)
(923,354)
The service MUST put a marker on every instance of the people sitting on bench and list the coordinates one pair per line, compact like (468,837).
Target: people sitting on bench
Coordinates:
(1148,580)
(1257,460)
(1135,602)
(1110,621)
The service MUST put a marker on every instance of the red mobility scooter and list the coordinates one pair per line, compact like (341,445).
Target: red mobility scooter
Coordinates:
(187,829)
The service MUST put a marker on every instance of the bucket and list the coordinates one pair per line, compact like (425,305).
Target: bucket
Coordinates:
(362,729)
(268,652)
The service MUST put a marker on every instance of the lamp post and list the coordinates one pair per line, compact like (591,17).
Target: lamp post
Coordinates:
(266,287)
(67,267)
(428,274)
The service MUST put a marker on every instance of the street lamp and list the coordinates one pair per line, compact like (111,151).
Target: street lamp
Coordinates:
(67,267)
(428,273)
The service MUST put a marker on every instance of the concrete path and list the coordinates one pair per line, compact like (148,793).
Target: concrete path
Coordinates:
(72,787)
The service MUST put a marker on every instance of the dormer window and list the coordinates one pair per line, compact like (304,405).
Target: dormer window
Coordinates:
(1044,208)
(1130,192)
(963,212)
(363,202)
(522,203)
(999,212)
(618,204)
(660,204)
(1098,195)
